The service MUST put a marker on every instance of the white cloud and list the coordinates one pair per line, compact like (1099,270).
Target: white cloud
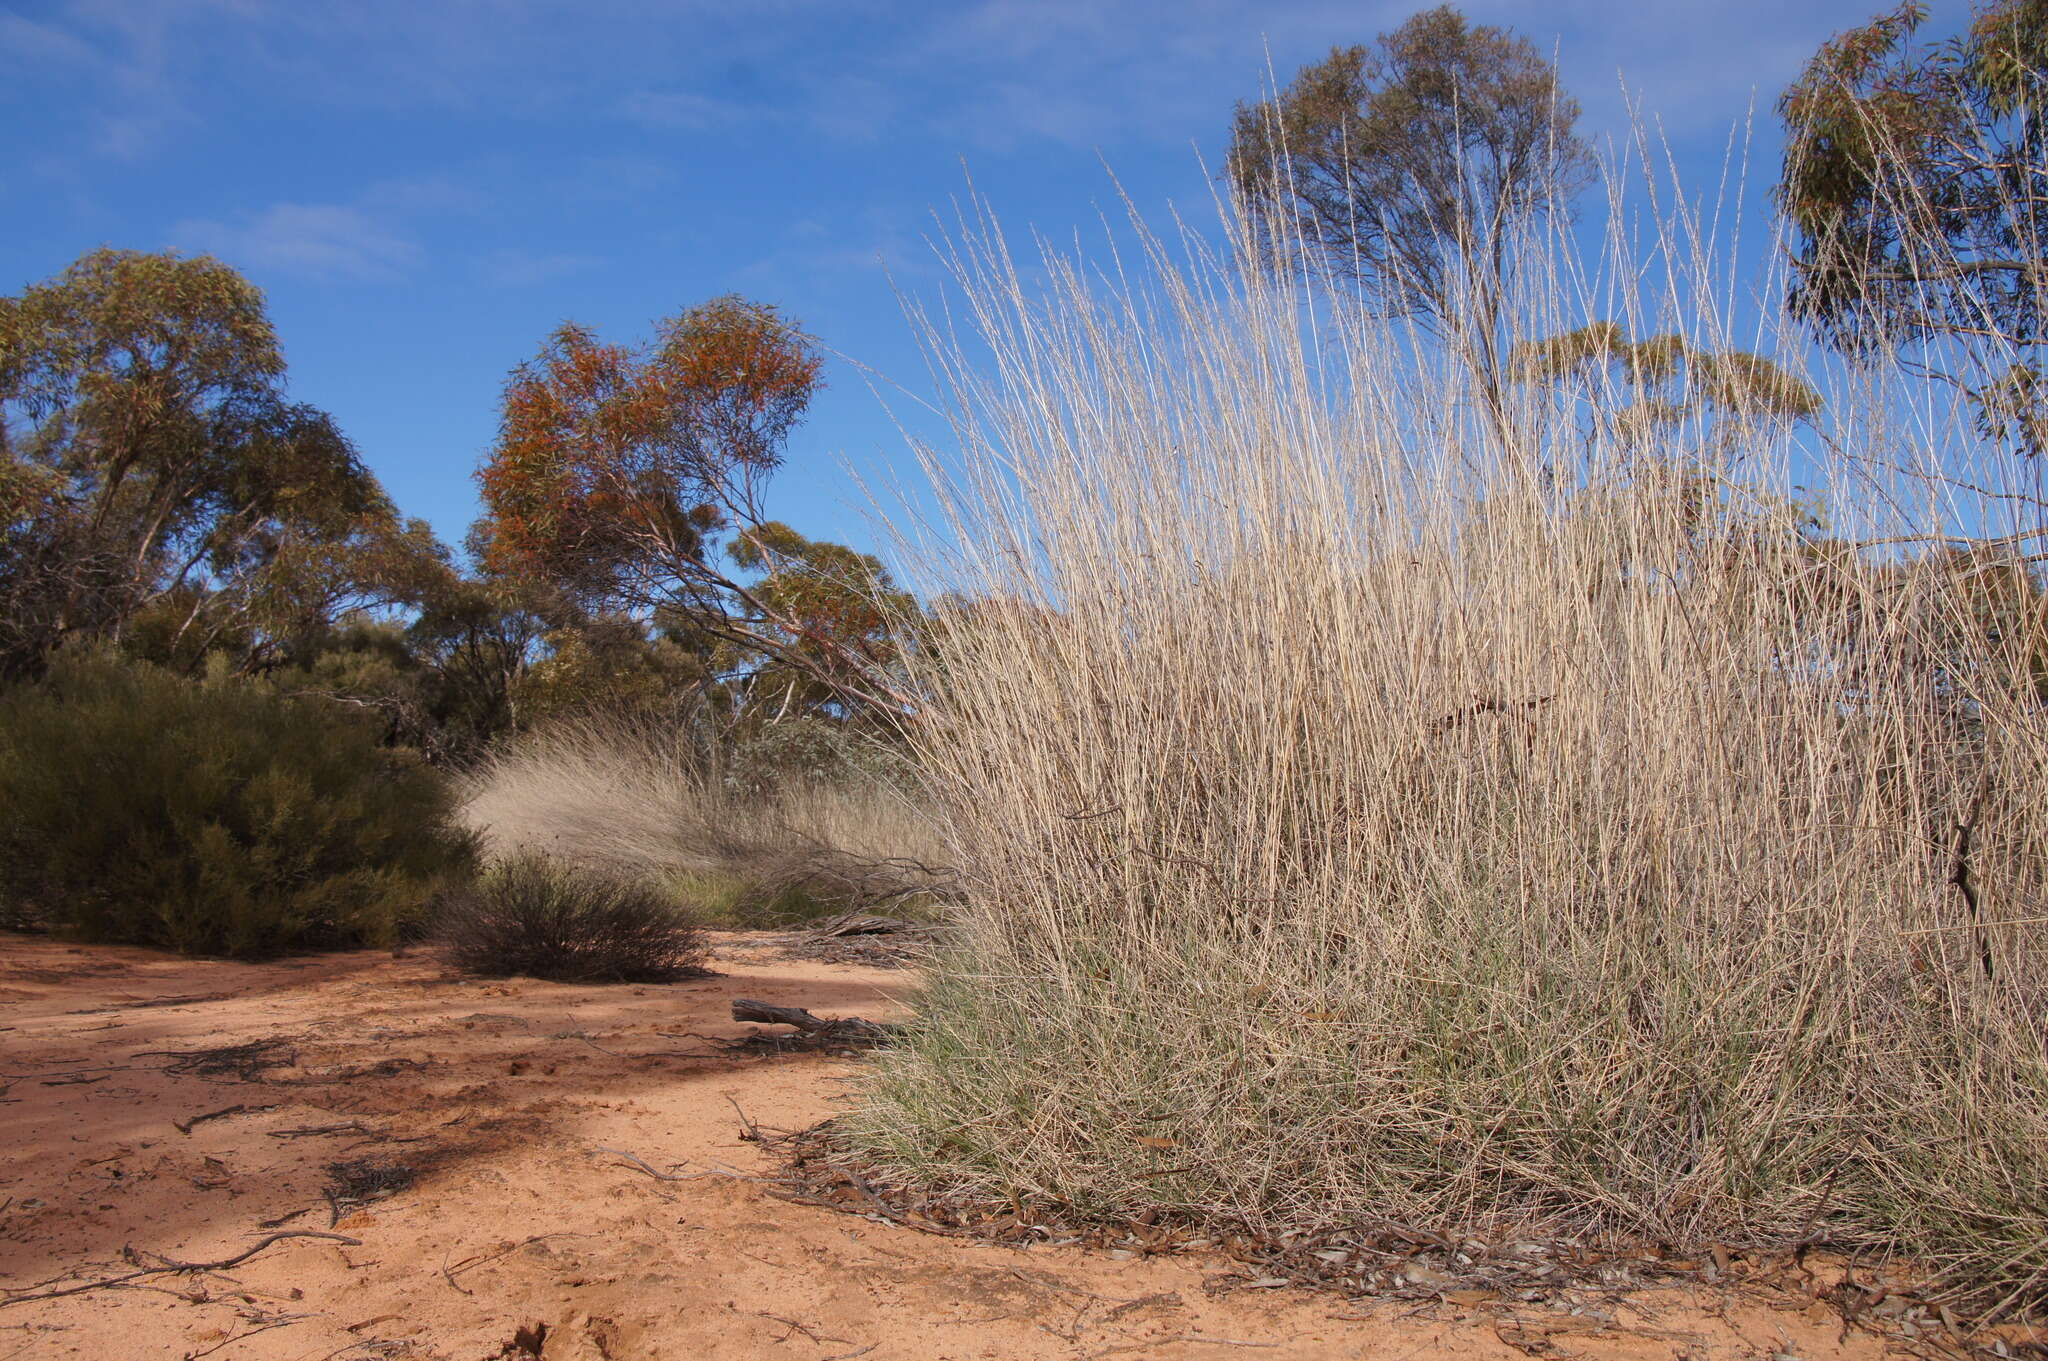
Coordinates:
(513,268)
(977,73)
(313,240)
(27,41)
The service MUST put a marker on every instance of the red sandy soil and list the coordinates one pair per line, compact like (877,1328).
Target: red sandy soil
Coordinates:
(507,1095)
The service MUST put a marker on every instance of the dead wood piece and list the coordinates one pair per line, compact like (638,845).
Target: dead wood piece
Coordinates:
(579,1035)
(237,1337)
(185,1126)
(1163,1298)
(1182,1339)
(191,999)
(172,1266)
(870,924)
(795,1328)
(646,1167)
(472,1262)
(358,1181)
(247,1062)
(310,1131)
(845,1029)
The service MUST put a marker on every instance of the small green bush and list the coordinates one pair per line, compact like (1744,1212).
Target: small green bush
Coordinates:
(540,917)
(213,817)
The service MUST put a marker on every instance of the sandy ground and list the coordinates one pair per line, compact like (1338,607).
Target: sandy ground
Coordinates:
(520,1236)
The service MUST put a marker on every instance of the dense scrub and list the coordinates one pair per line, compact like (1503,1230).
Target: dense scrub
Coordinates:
(137,806)
(545,918)
(1381,808)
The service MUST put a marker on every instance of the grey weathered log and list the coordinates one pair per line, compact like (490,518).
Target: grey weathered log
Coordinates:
(850,1028)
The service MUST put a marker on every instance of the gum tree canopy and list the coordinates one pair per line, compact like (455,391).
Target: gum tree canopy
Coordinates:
(1916,184)
(1409,165)
(630,478)
(150,462)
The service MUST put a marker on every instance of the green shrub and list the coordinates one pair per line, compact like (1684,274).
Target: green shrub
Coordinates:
(213,817)
(540,917)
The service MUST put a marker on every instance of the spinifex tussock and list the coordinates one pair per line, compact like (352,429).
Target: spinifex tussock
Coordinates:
(1501,824)
(635,797)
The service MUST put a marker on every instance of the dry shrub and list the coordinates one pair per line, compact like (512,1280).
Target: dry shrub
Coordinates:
(1376,813)
(542,918)
(640,798)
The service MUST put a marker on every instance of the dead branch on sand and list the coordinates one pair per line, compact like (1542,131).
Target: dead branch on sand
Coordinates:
(185,1126)
(172,1266)
(847,1030)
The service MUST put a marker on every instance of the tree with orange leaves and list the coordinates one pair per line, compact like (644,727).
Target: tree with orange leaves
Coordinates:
(620,473)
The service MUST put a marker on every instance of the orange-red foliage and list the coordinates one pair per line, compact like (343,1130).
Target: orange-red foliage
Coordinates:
(613,464)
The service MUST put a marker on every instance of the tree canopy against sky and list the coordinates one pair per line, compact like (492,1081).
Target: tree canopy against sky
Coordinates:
(1409,165)
(630,479)
(1915,182)
(454,188)
(150,460)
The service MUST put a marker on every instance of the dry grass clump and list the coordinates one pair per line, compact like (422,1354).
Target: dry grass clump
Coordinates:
(1378,813)
(643,799)
(535,916)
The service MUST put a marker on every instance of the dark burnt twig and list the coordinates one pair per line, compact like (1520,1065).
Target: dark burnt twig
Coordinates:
(185,1126)
(1959,871)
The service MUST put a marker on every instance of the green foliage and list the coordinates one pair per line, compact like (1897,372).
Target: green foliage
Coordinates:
(803,752)
(1916,181)
(834,617)
(543,918)
(742,903)
(147,452)
(1410,164)
(606,665)
(214,818)
(1645,396)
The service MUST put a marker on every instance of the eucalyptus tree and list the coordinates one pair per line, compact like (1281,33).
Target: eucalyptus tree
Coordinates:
(1915,185)
(150,461)
(1411,167)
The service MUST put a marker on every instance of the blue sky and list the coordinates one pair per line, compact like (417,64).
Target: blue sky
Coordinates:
(424,189)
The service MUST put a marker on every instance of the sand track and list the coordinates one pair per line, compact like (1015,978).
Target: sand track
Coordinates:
(496,1099)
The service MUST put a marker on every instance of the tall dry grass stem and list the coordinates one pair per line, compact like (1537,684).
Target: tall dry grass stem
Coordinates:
(1377,812)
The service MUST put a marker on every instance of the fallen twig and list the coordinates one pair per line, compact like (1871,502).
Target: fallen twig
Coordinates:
(185,1126)
(844,1030)
(472,1263)
(172,1265)
(68,1072)
(246,1061)
(237,1337)
(308,1131)
(579,1035)
(643,1165)
(1150,1343)
(794,1327)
